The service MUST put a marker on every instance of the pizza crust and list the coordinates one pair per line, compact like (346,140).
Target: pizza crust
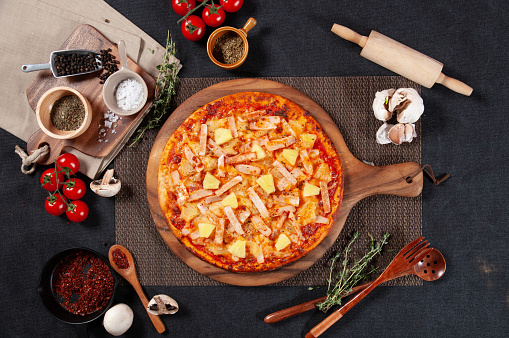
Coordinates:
(250,182)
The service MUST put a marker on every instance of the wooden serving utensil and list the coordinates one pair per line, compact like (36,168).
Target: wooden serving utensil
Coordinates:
(401,59)
(431,268)
(129,273)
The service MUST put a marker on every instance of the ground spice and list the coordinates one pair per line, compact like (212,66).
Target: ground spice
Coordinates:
(67,113)
(228,48)
(120,259)
(83,283)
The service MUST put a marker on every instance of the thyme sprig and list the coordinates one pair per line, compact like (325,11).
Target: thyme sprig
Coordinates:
(342,280)
(165,90)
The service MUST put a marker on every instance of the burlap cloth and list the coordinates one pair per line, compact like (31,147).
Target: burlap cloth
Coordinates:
(348,100)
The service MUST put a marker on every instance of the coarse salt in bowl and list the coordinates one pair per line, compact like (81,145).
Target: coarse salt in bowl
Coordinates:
(124,92)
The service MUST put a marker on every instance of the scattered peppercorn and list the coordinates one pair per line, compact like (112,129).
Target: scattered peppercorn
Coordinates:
(67,113)
(85,276)
(69,64)
(109,64)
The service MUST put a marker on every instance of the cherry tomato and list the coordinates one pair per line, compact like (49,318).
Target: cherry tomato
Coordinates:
(49,179)
(70,161)
(231,6)
(79,211)
(213,15)
(56,205)
(181,7)
(74,189)
(193,28)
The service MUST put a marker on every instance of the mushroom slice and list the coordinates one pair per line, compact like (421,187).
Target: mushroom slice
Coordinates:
(260,225)
(258,202)
(381,104)
(228,185)
(241,158)
(162,305)
(280,143)
(193,159)
(408,104)
(248,169)
(108,186)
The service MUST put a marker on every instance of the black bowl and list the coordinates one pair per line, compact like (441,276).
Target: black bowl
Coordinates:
(49,299)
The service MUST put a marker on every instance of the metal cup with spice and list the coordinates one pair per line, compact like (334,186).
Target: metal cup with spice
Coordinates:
(63,113)
(227,47)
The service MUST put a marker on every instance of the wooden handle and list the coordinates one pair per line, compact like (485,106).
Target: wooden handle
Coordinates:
(455,85)
(348,34)
(250,23)
(158,323)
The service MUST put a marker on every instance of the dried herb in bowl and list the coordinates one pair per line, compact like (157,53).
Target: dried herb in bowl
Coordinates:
(67,113)
(228,48)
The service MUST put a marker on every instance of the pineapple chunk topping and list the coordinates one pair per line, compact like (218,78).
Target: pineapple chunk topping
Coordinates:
(260,153)
(267,183)
(238,248)
(210,182)
(308,140)
(282,242)
(222,135)
(290,155)
(206,229)
(310,190)
(230,200)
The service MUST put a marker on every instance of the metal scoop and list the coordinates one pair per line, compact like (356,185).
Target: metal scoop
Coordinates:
(53,65)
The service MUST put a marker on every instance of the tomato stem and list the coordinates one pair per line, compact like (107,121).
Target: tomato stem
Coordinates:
(192,10)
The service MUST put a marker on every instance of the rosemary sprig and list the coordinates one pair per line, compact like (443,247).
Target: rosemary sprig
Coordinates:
(341,282)
(165,90)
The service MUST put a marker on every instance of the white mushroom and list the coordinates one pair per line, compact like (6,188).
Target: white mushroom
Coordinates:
(162,305)
(118,319)
(407,104)
(402,132)
(108,186)
(381,106)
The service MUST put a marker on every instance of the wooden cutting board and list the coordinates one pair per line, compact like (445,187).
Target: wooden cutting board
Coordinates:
(93,142)
(361,180)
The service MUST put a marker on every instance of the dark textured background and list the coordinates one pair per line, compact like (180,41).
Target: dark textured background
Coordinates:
(465,217)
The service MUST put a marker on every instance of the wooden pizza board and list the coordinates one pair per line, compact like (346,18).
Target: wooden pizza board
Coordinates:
(86,37)
(361,180)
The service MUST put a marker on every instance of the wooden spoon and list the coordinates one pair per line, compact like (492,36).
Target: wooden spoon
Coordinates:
(130,275)
(430,269)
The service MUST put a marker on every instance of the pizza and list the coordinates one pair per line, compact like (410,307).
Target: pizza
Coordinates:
(250,182)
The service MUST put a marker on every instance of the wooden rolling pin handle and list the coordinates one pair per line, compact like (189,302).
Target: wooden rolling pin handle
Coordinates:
(348,34)
(455,85)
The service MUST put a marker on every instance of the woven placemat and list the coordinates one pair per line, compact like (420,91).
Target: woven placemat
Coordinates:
(348,100)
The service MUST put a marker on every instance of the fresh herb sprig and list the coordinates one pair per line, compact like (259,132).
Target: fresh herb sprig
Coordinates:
(342,280)
(165,90)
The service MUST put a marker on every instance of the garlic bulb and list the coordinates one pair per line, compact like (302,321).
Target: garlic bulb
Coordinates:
(380,104)
(407,104)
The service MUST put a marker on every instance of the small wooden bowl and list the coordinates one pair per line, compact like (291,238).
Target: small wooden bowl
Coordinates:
(242,32)
(45,105)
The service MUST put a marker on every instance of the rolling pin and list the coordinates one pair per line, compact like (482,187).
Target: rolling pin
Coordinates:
(401,59)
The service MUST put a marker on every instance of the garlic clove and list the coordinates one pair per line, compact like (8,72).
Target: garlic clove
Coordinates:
(382,135)
(397,133)
(409,133)
(108,186)
(162,305)
(380,104)
(407,104)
